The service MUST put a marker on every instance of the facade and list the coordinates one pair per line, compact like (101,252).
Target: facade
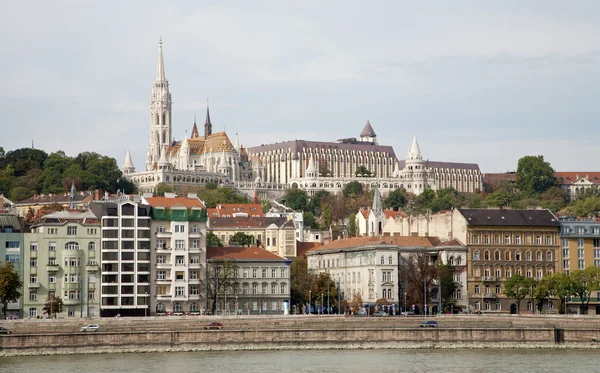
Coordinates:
(370,267)
(260,283)
(580,249)
(125,257)
(61,260)
(575,183)
(194,161)
(277,235)
(11,250)
(314,166)
(37,202)
(6,205)
(370,222)
(178,269)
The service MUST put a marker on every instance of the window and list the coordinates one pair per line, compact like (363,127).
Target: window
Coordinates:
(160,228)
(273,273)
(565,253)
(33,279)
(254,273)
(528,256)
(549,256)
(486,239)
(476,239)
(33,262)
(33,246)
(179,291)
(507,240)
(580,230)
(254,288)
(179,260)
(518,256)
(33,313)
(538,240)
(596,241)
(517,240)
(565,242)
(566,264)
(282,288)
(194,244)
(179,275)
(390,260)
(386,276)
(507,272)
(160,259)
(72,245)
(580,254)
(475,255)
(179,244)
(498,289)
(179,228)
(177,308)
(548,240)
(273,288)
(160,275)
(194,228)
(92,245)
(194,260)
(477,290)
(507,255)
(52,231)
(52,246)
(244,288)
(194,290)
(193,275)
(73,279)
(580,264)
(52,279)
(71,231)
(283,273)
(382,261)
(33,296)
(264,273)
(596,253)
(580,243)
(161,245)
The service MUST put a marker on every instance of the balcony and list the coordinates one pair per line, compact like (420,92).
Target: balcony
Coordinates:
(163,280)
(163,248)
(71,302)
(33,285)
(195,235)
(163,234)
(52,267)
(163,296)
(488,278)
(490,295)
(91,267)
(166,265)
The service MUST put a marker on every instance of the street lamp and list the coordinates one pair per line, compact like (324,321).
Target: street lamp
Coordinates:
(147,302)
(405,309)
(309,300)
(236,305)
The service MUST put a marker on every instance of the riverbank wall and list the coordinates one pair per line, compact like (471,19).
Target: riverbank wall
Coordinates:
(273,339)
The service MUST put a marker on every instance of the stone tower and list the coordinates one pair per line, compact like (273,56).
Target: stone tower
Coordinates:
(160,113)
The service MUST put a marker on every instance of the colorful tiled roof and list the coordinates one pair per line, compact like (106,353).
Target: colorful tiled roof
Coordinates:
(234,208)
(303,247)
(167,202)
(252,253)
(246,222)
(571,177)
(217,142)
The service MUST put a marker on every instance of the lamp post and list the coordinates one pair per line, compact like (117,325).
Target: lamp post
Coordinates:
(405,309)
(322,304)
(309,300)
(236,305)
(147,302)
(225,306)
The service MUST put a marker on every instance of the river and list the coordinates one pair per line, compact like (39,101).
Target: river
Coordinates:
(447,360)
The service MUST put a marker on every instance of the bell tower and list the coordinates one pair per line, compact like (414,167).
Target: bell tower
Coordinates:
(160,113)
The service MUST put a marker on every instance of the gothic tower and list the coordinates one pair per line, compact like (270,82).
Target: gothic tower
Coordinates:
(207,124)
(160,113)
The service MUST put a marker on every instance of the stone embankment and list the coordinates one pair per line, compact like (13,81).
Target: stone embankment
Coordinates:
(35,337)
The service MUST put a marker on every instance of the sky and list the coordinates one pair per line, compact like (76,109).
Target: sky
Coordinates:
(476,81)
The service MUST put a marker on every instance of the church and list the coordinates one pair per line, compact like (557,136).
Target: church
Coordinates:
(200,159)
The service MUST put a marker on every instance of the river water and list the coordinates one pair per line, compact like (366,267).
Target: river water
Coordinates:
(446,360)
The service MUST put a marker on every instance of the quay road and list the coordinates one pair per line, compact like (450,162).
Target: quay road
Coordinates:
(290,322)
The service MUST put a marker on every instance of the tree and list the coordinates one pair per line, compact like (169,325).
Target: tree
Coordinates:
(162,188)
(317,200)
(322,286)
(242,239)
(396,199)
(309,220)
(585,281)
(417,271)
(301,281)
(10,284)
(20,193)
(355,304)
(518,287)
(586,207)
(534,175)
(445,273)
(352,228)
(326,218)
(2,153)
(221,280)
(541,292)
(53,305)
(296,199)
(499,198)
(353,188)
(212,240)
(560,285)
(363,171)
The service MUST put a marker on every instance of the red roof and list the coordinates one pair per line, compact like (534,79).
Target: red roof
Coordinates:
(168,202)
(228,209)
(241,253)
(571,177)
(402,241)
(394,214)
(303,247)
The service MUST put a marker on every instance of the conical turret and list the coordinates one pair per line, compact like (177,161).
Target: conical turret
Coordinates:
(128,167)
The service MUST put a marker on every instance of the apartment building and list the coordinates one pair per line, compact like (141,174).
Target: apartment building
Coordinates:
(259,283)
(125,256)
(178,257)
(60,260)
(580,248)
(11,250)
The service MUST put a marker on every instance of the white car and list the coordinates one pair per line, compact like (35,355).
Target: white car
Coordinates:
(90,328)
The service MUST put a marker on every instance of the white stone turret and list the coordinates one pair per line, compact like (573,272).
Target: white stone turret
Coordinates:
(223,164)
(128,167)
(163,163)
(160,111)
(184,154)
(415,171)
(311,170)
(414,153)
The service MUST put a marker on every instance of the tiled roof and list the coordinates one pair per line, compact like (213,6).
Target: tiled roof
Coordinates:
(175,201)
(491,178)
(298,146)
(51,198)
(365,213)
(452,242)
(245,222)
(63,217)
(368,131)
(234,208)
(217,142)
(571,177)
(509,217)
(303,247)
(401,241)
(252,253)
(394,214)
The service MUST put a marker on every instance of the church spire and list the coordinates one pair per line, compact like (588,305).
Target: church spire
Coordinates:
(207,124)
(195,129)
(377,208)
(160,67)
(73,199)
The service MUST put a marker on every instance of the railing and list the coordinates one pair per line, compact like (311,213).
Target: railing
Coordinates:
(489,295)
(488,278)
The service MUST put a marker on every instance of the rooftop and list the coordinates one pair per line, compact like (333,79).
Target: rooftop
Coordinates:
(252,253)
(510,217)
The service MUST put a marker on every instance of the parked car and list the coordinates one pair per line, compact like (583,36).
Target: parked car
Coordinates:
(429,324)
(90,328)
(5,331)
(380,314)
(213,325)
(408,313)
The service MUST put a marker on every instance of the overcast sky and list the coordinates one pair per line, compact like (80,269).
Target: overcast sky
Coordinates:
(476,81)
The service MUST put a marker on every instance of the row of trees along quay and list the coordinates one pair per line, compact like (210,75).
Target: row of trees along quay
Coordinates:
(576,286)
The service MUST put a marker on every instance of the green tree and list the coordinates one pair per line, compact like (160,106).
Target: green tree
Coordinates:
(585,281)
(352,228)
(309,220)
(541,292)
(212,240)
(324,285)
(162,188)
(396,199)
(586,207)
(518,287)
(20,193)
(2,153)
(534,175)
(363,171)
(296,199)
(499,198)
(445,273)
(222,280)
(242,239)
(23,160)
(317,200)
(301,282)
(353,188)
(560,285)
(53,306)
(326,218)
(10,286)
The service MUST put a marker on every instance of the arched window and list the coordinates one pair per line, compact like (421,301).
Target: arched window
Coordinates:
(177,308)
(549,256)
(507,255)
(92,245)
(71,246)
(160,308)
(390,260)
(382,260)
(194,307)
(475,255)
(486,255)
